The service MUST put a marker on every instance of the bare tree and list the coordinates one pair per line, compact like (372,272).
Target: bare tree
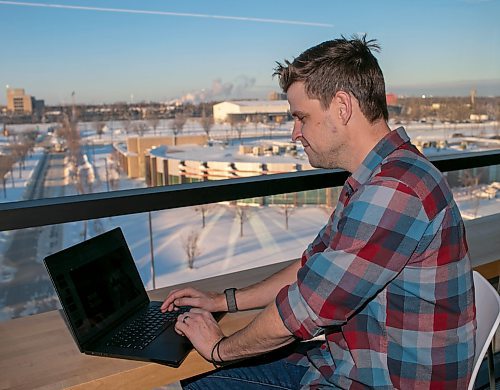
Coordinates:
(178,125)
(140,128)
(239,127)
(257,119)
(19,152)
(470,181)
(204,209)
(99,128)
(496,113)
(206,122)
(6,162)
(191,248)
(233,122)
(68,130)
(127,125)
(287,210)
(154,122)
(276,123)
(243,214)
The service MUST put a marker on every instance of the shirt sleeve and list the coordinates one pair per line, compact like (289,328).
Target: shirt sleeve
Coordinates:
(376,235)
(319,244)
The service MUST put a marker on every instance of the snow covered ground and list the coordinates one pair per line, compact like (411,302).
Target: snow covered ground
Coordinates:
(16,184)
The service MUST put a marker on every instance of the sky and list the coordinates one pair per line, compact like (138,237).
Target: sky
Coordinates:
(160,50)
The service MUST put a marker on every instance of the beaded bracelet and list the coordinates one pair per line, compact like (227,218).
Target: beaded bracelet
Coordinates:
(217,364)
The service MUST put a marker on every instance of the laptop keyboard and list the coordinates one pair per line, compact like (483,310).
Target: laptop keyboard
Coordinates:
(145,328)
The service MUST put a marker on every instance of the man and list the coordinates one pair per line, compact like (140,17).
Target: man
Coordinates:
(387,280)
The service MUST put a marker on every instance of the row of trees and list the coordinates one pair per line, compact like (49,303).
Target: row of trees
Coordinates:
(242,213)
(16,151)
(451,109)
(206,122)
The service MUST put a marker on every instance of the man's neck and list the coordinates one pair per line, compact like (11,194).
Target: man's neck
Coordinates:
(364,139)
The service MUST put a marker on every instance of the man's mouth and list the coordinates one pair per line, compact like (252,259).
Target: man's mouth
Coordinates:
(303,141)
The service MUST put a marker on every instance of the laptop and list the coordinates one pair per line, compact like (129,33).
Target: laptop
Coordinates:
(106,307)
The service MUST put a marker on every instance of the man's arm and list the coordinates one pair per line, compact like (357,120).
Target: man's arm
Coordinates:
(258,295)
(263,293)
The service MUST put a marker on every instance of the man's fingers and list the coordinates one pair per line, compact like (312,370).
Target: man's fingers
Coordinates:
(175,298)
(184,321)
(180,327)
(198,310)
(204,313)
(168,302)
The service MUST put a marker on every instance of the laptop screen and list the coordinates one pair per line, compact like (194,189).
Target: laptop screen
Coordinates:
(97,283)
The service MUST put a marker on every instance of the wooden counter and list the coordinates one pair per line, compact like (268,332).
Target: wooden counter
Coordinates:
(39,352)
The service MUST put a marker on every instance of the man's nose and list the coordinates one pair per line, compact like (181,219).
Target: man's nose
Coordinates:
(296,132)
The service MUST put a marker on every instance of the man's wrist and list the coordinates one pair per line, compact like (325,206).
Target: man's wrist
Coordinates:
(215,357)
(220,302)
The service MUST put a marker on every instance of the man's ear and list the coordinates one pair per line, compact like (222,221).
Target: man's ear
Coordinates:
(343,106)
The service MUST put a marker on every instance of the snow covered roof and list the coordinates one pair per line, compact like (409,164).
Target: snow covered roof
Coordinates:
(259,102)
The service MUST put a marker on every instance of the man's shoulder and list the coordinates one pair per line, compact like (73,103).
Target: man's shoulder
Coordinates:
(409,167)
(414,171)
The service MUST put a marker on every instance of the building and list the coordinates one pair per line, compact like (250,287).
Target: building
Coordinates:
(131,154)
(38,107)
(391,99)
(277,96)
(393,107)
(193,163)
(18,102)
(252,110)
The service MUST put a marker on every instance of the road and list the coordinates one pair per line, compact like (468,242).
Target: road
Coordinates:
(30,290)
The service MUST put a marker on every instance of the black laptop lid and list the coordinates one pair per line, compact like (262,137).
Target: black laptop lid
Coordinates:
(97,283)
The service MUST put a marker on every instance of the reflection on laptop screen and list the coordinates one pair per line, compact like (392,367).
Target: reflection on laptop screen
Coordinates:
(104,288)
(98,284)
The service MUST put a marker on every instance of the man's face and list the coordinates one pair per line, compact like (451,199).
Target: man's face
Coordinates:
(315,128)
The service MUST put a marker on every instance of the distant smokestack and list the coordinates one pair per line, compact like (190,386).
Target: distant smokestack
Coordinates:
(472,96)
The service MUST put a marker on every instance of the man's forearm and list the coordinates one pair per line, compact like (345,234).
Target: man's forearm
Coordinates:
(263,293)
(265,333)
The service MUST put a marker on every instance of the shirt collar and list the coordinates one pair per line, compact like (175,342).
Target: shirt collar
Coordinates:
(388,144)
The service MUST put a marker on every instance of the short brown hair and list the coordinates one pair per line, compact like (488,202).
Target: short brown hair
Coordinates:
(340,65)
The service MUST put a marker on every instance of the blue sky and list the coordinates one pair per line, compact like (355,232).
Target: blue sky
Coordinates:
(159,50)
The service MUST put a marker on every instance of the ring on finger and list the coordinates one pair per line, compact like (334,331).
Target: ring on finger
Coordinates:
(184,319)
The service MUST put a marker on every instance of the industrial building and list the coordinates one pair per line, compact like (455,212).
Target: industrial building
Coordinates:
(252,111)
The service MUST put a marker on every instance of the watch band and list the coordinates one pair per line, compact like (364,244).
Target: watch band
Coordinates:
(231,300)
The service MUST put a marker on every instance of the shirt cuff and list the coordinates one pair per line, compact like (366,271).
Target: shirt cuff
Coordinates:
(291,316)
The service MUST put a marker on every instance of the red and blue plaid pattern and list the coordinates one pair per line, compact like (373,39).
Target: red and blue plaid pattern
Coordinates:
(388,280)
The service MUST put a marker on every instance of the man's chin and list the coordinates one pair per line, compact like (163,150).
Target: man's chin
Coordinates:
(319,164)
(315,164)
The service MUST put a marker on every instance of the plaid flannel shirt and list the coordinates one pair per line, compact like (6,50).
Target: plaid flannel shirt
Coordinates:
(388,280)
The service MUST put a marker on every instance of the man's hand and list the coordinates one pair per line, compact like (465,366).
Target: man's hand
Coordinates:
(209,301)
(200,327)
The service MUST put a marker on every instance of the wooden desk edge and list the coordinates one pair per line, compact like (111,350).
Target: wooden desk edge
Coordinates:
(154,375)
